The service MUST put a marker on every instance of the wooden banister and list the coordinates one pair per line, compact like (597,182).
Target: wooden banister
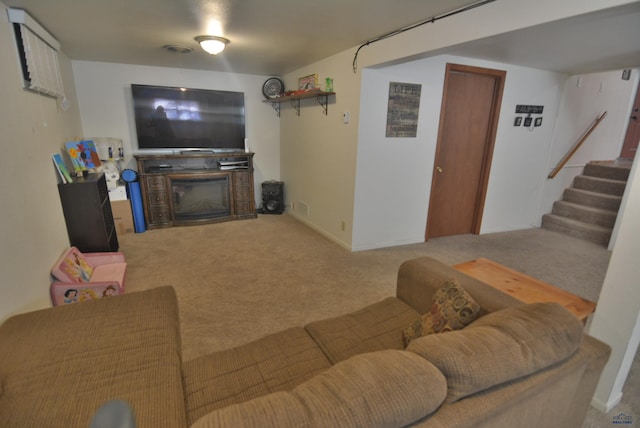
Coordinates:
(575,148)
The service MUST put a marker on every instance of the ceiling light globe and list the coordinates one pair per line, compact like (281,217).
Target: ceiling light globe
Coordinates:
(212,44)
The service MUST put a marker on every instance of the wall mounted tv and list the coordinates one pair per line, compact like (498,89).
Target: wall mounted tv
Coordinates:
(182,118)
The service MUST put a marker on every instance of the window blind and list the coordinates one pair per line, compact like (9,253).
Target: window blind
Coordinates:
(39,49)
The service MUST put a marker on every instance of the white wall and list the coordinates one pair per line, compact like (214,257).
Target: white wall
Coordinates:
(617,317)
(393,179)
(104,95)
(32,231)
(318,151)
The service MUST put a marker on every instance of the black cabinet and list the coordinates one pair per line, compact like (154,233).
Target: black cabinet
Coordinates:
(87,212)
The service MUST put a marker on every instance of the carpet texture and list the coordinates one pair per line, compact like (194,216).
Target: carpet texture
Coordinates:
(239,281)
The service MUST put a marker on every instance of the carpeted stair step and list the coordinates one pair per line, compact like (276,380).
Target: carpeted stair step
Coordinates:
(603,170)
(600,185)
(585,213)
(577,229)
(592,199)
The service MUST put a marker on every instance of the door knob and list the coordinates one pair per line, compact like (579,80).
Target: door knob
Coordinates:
(439,169)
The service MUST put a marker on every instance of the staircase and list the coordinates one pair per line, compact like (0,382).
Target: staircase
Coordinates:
(589,208)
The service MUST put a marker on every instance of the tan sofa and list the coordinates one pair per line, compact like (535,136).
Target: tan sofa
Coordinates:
(517,365)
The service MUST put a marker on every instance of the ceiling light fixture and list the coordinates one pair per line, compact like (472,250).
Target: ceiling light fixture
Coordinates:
(212,44)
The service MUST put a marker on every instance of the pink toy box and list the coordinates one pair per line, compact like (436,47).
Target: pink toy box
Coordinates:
(87,276)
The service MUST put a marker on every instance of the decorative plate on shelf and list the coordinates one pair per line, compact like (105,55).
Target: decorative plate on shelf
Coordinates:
(272,87)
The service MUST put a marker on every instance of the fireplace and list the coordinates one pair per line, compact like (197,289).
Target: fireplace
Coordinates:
(200,198)
(189,189)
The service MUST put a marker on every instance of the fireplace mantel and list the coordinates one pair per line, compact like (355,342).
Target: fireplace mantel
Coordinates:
(196,188)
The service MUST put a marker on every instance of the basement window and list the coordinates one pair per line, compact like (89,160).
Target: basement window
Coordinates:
(38,52)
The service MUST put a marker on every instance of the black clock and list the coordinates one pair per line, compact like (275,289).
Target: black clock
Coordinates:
(272,87)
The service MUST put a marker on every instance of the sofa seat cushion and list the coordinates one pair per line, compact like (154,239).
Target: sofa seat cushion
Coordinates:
(59,365)
(376,327)
(378,389)
(501,346)
(273,363)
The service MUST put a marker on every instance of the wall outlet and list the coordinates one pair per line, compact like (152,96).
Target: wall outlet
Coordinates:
(345,117)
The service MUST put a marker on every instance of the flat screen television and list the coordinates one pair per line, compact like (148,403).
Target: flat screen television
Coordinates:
(183,118)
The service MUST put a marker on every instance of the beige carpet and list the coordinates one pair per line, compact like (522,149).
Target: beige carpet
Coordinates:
(238,281)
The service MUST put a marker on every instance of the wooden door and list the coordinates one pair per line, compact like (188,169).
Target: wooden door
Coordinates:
(468,121)
(632,137)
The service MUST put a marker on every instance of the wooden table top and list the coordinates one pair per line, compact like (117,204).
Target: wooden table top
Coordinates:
(523,287)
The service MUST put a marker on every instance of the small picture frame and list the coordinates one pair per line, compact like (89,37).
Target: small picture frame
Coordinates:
(308,82)
(527,121)
(538,121)
(517,121)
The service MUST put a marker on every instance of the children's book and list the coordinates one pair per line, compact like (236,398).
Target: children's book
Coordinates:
(83,155)
(62,168)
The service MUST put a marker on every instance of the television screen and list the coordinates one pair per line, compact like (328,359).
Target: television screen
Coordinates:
(182,118)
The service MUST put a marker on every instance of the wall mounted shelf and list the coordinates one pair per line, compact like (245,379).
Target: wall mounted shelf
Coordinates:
(294,100)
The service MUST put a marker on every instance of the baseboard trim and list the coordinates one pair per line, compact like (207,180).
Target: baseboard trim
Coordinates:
(322,232)
(606,407)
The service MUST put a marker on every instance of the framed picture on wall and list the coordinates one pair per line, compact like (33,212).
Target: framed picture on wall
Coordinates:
(308,82)
(402,109)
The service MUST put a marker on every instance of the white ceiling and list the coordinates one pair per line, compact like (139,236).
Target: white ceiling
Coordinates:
(273,37)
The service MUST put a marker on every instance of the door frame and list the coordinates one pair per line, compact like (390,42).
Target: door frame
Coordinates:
(499,76)
(632,134)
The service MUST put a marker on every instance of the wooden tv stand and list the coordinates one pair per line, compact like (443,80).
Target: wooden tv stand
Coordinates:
(196,188)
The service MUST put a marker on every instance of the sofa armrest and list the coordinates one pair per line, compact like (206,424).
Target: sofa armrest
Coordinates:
(599,353)
(562,390)
(420,278)
(59,365)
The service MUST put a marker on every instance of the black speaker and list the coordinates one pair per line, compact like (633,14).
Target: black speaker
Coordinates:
(272,197)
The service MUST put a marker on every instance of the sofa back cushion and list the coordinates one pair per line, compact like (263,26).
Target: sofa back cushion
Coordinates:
(501,346)
(377,389)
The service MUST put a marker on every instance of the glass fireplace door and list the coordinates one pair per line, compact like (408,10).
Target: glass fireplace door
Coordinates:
(200,198)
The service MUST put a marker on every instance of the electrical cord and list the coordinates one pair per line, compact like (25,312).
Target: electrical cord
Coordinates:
(418,24)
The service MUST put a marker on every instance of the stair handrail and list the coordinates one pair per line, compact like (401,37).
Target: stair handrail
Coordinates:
(575,148)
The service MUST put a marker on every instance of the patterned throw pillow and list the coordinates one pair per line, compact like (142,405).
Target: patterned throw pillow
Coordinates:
(452,309)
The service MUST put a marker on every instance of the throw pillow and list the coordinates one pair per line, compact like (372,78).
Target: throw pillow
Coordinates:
(452,309)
